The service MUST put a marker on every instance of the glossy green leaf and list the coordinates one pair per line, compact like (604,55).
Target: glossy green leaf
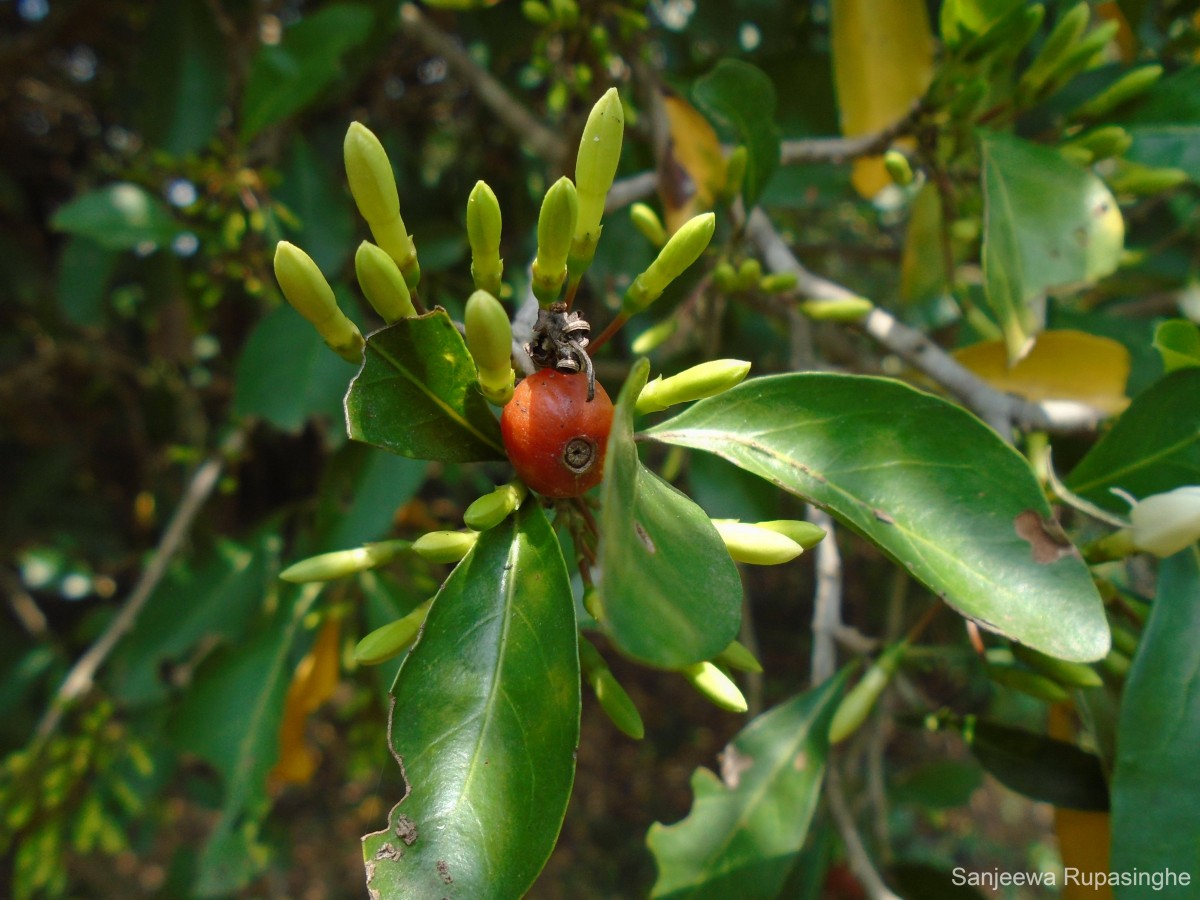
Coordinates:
(486,721)
(924,480)
(941,784)
(182,76)
(362,489)
(1048,225)
(120,216)
(288,76)
(746,827)
(286,373)
(416,394)
(670,593)
(1165,124)
(742,97)
(1154,446)
(84,270)
(1156,780)
(1178,342)
(1039,767)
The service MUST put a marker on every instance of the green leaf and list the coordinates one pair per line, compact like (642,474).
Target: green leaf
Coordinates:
(416,394)
(1048,225)
(289,76)
(1156,780)
(84,270)
(1165,125)
(670,593)
(1178,340)
(362,490)
(1039,767)
(487,722)
(286,373)
(182,77)
(742,97)
(1154,446)
(120,216)
(942,784)
(746,827)
(313,190)
(922,479)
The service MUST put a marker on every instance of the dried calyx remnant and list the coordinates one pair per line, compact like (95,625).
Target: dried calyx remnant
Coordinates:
(560,339)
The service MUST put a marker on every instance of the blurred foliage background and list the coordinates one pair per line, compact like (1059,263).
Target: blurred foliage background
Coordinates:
(170,432)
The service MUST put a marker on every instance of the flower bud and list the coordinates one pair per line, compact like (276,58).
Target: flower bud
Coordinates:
(898,168)
(483,233)
(861,699)
(1032,683)
(595,168)
(735,171)
(1124,640)
(646,221)
(725,277)
(705,380)
(1124,89)
(714,684)
(1164,524)
(749,274)
(842,309)
(736,656)
(615,702)
(1080,56)
(491,509)
(536,12)
(392,639)
(340,563)
(310,295)
(373,185)
(1070,674)
(683,249)
(806,534)
(654,336)
(445,546)
(779,283)
(382,284)
(1102,143)
(1140,180)
(758,546)
(1065,35)
(489,338)
(556,224)
(1116,664)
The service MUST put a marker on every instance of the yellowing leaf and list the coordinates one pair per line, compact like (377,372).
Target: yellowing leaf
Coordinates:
(692,172)
(1063,365)
(882,64)
(314,682)
(1084,837)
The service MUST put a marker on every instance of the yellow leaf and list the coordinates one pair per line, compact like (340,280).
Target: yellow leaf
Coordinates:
(882,64)
(692,172)
(1063,365)
(313,683)
(1084,838)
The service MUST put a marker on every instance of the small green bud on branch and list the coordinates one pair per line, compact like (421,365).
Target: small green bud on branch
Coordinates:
(683,249)
(595,167)
(306,289)
(861,699)
(714,684)
(613,699)
(382,284)
(1028,682)
(758,546)
(392,639)
(1131,84)
(556,224)
(898,168)
(736,656)
(483,233)
(806,534)
(489,338)
(491,509)
(705,380)
(1071,674)
(646,221)
(445,546)
(373,185)
(340,563)
(654,336)
(842,309)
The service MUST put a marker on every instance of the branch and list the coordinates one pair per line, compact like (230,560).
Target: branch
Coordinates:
(1001,411)
(856,853)
(827,601)
(543,141)
(840,150)
(82,675)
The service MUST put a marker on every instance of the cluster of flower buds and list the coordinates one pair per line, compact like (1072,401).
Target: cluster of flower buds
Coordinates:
(768,543)
(373,185)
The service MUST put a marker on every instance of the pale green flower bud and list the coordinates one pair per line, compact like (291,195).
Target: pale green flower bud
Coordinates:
(806,534)
(445,546)
(735,171)
(491,509)
(1124,89)
(1062,38)
(340,563)
(595,168)
(615,702)
(556,224)
(1032,683)
(758,546)
(714,684)
(483,233)
(373,185)
(736,656)
(1072,674)
(1164,524)
(725,277)
(841,309)
(310,295)
(654,336)
(1142,181)
(705,380)
(779,283)
(898,168)
(382,284)
(749,274)
(1102,143)
(489,338)
(646,221)
(683,249)
(857,704)
(537,12)
(392,639)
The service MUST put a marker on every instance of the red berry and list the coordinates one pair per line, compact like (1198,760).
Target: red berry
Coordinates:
(555,438)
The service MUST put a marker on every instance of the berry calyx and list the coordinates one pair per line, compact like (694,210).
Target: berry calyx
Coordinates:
(555,437)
